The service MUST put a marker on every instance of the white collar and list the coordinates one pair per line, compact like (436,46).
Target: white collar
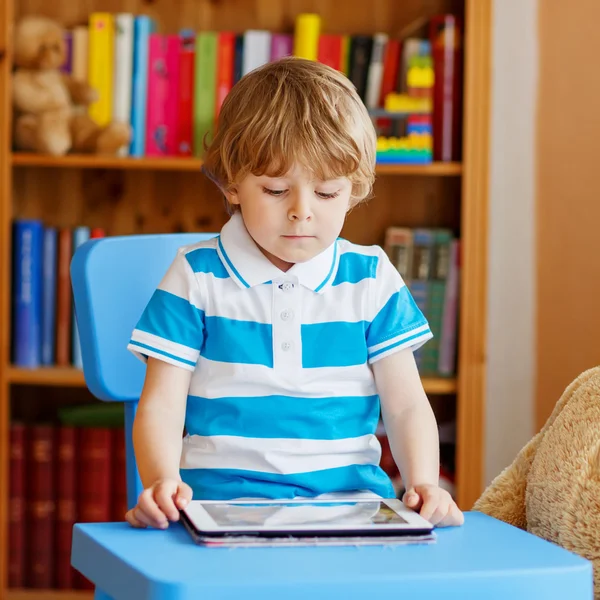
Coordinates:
(248,266)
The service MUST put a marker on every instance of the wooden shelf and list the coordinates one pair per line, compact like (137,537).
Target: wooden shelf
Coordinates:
(83,161)
(52,376)
(49,595)
(71,377)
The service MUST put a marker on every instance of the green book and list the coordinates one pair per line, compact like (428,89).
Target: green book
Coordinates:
(205,83)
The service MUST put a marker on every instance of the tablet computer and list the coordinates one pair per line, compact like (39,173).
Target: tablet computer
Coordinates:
(303,518)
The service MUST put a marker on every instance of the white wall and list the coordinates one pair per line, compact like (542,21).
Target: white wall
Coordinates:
(511,304)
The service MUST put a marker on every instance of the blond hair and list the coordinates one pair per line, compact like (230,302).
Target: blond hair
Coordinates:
(293,110)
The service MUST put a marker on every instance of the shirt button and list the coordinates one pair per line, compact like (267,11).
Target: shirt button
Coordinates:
(286,286)
(285,346)
(286,315)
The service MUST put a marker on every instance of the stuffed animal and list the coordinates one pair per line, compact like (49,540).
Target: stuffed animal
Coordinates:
(49,106)
(552,489)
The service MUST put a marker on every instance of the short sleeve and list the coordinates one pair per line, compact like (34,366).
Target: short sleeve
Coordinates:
(171,327)
(398,322)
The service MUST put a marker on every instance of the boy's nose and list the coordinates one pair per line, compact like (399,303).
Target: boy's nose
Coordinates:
(299,209)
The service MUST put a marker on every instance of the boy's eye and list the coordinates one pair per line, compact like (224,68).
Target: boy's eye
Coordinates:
(327,196)
(273,192)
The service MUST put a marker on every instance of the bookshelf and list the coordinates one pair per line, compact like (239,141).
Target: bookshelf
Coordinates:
(147,195)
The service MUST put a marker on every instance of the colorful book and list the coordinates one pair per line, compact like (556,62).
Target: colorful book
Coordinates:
(156,127)
(282,45)
(101,65)
(306,36)
(238,59)
(448,346)
(143,27)
(205,89)
(172,95)
(330,51)
(123,70)
(49,275)
(64,298)
(257,50)
(185,125)
(80,236)
(360,57)
(375,74)
(27,293)
(225,64)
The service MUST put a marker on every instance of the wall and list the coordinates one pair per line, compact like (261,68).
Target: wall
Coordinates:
(511,272)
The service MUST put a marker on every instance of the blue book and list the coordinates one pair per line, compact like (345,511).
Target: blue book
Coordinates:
(142,28)
(80,236)
(49,274)
(27,293)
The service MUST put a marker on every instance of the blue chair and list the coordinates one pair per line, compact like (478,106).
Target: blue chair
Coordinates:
(113,279)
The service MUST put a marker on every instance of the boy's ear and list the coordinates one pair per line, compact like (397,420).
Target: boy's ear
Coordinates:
(231,195)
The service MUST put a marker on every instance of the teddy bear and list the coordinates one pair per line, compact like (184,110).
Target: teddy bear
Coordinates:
(552,489)
(49,106)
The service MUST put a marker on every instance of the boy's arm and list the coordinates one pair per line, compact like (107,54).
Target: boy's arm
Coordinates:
(413,435)
(159,421)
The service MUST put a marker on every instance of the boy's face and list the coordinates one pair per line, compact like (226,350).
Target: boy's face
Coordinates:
(294,217)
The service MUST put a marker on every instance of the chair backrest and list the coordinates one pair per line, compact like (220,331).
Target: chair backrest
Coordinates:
(113,279)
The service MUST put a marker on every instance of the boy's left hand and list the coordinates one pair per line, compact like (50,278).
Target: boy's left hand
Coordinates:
(434,504)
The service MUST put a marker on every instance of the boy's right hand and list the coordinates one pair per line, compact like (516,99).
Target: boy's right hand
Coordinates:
(159,504)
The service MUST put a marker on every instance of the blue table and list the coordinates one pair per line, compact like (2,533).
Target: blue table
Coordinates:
(484,559)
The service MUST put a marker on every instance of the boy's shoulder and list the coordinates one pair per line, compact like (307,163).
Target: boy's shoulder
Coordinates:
(358,262)
(202,257)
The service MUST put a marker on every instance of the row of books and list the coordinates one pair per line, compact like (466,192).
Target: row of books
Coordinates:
(44,329)
(59,475)
(170,87)
(429,262)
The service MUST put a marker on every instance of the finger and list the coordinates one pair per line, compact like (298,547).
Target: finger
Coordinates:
(430,504)
(412,499)
(455,517)
(184,495)
(164,497)
(143,518)
(147,506)
(439,513)
(133,520)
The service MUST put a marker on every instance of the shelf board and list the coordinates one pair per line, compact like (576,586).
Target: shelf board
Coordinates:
(31,594)
(84,161)
(71,377)
(50,376)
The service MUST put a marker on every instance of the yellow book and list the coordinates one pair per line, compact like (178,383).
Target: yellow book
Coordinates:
(306,36)
(100,67)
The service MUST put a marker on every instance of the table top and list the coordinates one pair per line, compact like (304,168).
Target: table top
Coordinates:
(483,558)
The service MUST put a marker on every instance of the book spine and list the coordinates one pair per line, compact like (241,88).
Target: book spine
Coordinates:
(306,36)
(41,506)
(100,74)
(225,58)
(238,60)
(330,51)
(375,74)
(64,301)
(172,93)
(80,236)
(185,129)
(447,357)
(143,26)
(49,295)
(27,297)
(205,88)
(156,133)
(16,507)
(123,70)
(257,50)
(67,65)
(360,57)
(282,45)
(66,515)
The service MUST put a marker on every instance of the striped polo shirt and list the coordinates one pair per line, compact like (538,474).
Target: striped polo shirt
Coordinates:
(282,401)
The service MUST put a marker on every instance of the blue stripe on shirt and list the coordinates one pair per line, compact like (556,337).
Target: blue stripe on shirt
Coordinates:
(335,344)
(206,260)
(243,342)
(399,315)
(355,267)
(227,484)
(298,418)
(173,318)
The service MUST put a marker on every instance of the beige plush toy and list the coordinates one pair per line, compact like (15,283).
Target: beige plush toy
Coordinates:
(48,105)
(552,489)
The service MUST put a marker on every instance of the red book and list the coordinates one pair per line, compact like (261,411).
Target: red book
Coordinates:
(391,64)
(40,506)
(94,480)
(330,51)
(225,54)
(185,124)
(119,476)
(66,498)
(64,298)
(16,507)
(97,232)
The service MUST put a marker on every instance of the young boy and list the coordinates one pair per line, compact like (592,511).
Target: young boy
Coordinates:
(276,343)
